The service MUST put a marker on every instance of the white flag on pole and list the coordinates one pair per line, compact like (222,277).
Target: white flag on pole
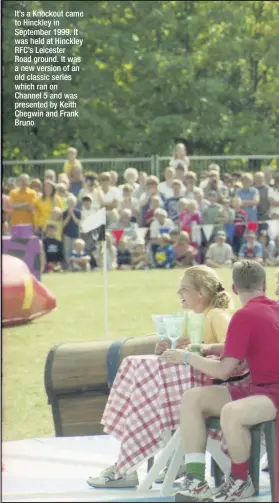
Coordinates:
(94,221)
(208,229)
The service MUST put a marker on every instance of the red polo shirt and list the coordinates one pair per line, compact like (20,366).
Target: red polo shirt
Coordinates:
(253,335)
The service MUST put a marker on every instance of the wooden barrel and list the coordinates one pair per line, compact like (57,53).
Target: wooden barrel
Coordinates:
(78,378)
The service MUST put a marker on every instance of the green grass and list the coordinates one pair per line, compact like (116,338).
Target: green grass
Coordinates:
(133,297)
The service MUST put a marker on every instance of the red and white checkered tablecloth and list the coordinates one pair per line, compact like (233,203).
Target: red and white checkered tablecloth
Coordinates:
(144,403)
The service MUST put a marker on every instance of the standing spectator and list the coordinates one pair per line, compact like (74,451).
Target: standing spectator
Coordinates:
(63,178)
(148,218)
(263,207)
(185,254)
(227,214)
(50,176)
(71,162)
(110,195)
(212,212)
(180,175)
(45,205)
(152,184)
(91,188)
(127,201)
(190,185)
(71,223)
(251,249)
(62,192)
(53,249)
(228,184)
(76,179)
(268,173)
(188,214)
(165,187)
(240,221)
(79,259)
(114,179)
(204,179)
(220,253)
(36,185)
(23,201)
(142,185)
(171,204)
(124,257)
(164,256)
(273,198)
(249,196)
(268,246)
(202,202)
(180,156)
(131,177)
(214,183)
(56,218)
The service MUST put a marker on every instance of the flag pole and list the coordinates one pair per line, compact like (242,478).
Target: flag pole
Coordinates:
(105,273)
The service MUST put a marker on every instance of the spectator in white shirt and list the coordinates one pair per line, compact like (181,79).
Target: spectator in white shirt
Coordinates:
(190,185)
(202,202)
(160,224)
(110,195)
(131,177)
(220,253)
(180,156)
(128,201)
(142,185)
(165,187)
(273,198)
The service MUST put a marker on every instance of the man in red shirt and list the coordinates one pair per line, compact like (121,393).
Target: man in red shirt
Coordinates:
(253,336)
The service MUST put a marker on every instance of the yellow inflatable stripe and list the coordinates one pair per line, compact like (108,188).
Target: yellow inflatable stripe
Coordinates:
(28,292)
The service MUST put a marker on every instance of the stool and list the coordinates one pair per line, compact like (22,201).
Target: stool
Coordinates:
(269,428)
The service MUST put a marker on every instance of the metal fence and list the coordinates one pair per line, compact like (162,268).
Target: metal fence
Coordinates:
(154,164)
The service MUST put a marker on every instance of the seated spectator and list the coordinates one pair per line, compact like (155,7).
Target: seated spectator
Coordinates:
(188,214)
(45,206)
(174,235)
(251,249)
(110,252)
(53,249)
(114,179)
(220,253)
(36,185)
(190,181)
(164,256)
(273,198)
(160,225)
(263,206)
(185,254)
(124,258)
(180,175)
(180,157)
(211,213)
(204,179)
(131,177)
(130,228)
(215,184)
(50,176)
(268,245)
(63,193)
(165,187)
(274,260)
(142,185)
(226,215)
(91,187)
(149,217)
(202,202)
(127,201)
(268,173)
(23,201)
(71,162)
(228,184)
(79,259)
(240,221)
(71,223)
(249,196)
(110,194)
(171,204)
(139,256)
(152,189)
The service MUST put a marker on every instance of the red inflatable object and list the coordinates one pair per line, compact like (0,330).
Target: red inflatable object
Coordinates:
(24,297)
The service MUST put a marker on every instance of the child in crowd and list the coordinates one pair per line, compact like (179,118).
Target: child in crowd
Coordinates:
(190,181)
(56,217)
(63,178)
(139,256)
(185,254)
(91,187)
(50,176)
(149,215)
(124,258)
(164,256)
(160,225)
(220,253)
(79,260)
(188,214)
(62,192)
(165,187)
(202,202)
(274,260)
(171,204)
(240,221)
(71,223)
(227,214)
(252,249)
(129,202)
(268,246)
(71,162)
(37,185)
(53,249)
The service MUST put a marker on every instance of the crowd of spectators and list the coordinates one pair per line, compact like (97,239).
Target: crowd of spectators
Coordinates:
(180,221)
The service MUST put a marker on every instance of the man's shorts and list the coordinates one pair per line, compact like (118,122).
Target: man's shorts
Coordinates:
(269,390)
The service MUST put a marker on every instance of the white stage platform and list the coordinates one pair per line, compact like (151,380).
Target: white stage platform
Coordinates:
(56,469)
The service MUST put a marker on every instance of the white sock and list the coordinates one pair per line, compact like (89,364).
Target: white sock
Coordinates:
(195,457)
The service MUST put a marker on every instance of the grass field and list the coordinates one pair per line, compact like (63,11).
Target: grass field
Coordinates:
(133,297)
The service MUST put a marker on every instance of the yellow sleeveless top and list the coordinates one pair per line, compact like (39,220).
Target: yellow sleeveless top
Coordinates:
(215,325)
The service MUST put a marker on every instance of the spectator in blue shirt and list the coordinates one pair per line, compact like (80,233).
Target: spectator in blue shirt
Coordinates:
(171,204)
(252,249)
(165,256)
(124,257)
(71,222)
(249,196)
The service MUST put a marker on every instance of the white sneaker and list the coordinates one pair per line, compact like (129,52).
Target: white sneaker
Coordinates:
(107,480)
(161,477)
(235,490)
(194,490)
